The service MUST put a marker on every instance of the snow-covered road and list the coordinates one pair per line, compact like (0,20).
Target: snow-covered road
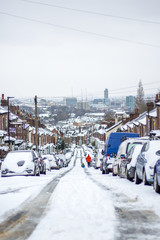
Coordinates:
(78,209)
(85,205)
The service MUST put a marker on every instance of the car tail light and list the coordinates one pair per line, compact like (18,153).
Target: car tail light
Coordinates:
(122,159)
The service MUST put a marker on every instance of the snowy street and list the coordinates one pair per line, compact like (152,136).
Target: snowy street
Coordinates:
(77,203)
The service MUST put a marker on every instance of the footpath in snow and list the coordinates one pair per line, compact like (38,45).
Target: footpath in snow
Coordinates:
(78,209)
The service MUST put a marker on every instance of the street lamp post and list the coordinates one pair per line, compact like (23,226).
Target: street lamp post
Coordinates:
(36,124)
(8,120)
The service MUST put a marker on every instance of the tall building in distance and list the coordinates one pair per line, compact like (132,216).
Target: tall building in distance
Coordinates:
(106,99)
(70,102)
(106,93)
(130,102)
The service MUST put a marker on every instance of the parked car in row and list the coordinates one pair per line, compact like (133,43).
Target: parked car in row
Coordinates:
(146,161)
(42,164)
(123,151)
(98,158)
(23,162)
(131,161)
(156,183)
(53,161)
(107,163)
(63,160)
(47,162)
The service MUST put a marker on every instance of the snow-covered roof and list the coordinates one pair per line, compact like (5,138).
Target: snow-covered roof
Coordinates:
(124,127)
(130,124)
(7,138)
(119,112)
(95,114)
(4,148)
(142,118)
(136,123)
(18,122)
(3,110)
(12,116)
(31,128)
(153,113)
(42,131)
(143,121)
(156,133)
(26,125)
(101,131)
(2,133)
(114,126)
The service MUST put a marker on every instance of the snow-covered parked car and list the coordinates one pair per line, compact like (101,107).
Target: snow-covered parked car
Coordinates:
(47,162)
(53,161)
(42,164)
(20,163)
(62,158)
(107,164)
(146,161)
(98,158)
(156,184)
(68,156)
(132,160)
(123,152)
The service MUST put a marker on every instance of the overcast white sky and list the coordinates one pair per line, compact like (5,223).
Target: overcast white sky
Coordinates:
(79,47)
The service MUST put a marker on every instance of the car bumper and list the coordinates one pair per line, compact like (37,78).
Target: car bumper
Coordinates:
(5,173)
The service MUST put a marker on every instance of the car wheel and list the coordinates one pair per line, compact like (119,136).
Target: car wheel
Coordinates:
(136,179)
(34,173)
(107,171)
(127,175)
(119,171)
(155,183)
(144,178)
(38,174)
(113,172)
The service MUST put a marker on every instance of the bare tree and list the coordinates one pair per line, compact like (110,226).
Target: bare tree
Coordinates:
(140,103)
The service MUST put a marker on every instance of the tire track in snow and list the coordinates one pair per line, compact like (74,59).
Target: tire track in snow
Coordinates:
(132,223)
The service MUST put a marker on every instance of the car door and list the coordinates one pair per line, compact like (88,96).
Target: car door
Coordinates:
(141,161)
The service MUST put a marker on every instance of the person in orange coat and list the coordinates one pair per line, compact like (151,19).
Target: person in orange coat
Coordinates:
(88,159)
